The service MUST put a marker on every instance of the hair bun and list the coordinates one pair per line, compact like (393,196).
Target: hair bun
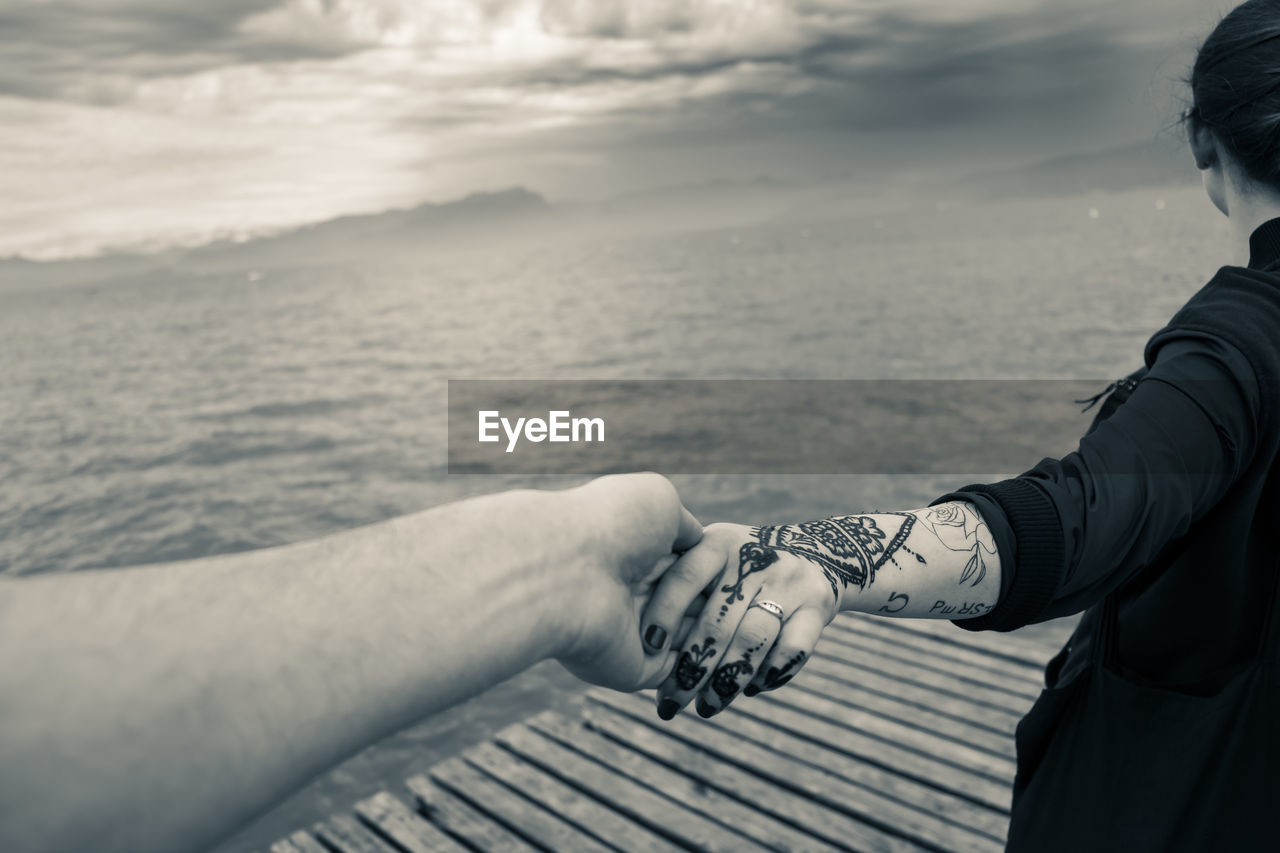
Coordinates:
(1235,87)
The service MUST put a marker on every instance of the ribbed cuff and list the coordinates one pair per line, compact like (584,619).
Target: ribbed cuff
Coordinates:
(1037,570)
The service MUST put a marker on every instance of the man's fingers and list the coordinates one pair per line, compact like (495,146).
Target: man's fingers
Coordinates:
(794,646)
(690,532)
(679,587)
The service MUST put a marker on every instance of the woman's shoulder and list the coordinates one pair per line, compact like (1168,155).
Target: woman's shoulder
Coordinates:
(1230,330)
(1239,307)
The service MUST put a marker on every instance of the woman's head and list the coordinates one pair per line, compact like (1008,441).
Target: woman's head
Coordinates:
(1235,91)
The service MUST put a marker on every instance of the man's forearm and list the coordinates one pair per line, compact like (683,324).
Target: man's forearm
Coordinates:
(198,693)
(938,562)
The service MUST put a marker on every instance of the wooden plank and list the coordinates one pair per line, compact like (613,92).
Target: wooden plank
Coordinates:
(1016,647)
(830,654)
(753,823)
(299,842)
(860,801)
(819,704)
(839,643)
(936,651)
(834,826)
(411,831)
(347,835)
(1045,636)
(456,816)
(1002,724)
(519,814)
(981,806)
(957,808)
(964,782)
(809,766)
(1023,665)
(627,796)
(861,757)
(857,723)
(542,781)
(859,731)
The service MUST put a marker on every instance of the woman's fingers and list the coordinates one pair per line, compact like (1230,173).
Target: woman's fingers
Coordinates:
(663,665)
(794,646)
(729,599)
(746,652)
(679,587)
(689,620)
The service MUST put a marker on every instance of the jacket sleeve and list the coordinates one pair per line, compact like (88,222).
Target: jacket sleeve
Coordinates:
(1072,529)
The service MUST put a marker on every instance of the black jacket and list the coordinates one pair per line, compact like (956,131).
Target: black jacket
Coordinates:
(1175,495)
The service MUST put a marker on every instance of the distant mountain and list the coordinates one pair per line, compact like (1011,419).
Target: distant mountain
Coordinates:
(478,217)
(21,273)
(1147,164)
(472,221)
(511,218)
(518,217)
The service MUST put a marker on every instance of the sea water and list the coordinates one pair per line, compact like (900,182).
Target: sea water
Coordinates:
(180,415)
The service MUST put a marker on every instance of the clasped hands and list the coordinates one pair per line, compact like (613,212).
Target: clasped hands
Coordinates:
(702,614)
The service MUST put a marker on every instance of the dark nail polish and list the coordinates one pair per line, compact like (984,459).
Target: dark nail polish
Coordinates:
(668,708)
(656,637)
(781,681)
(750,690)
(706,711)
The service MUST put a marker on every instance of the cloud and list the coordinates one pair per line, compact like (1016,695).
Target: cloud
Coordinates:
(966,54)
(317,107)
(58,50)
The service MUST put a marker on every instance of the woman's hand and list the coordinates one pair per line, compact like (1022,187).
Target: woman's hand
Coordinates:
(765,611)
(771,590)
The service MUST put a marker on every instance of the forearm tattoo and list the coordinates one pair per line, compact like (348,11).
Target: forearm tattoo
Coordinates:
(896,603)
(849,549)
(960,528)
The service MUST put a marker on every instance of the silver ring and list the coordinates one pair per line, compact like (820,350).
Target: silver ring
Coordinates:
(770,607)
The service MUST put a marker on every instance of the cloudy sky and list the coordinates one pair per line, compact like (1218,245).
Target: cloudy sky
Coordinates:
(128,122)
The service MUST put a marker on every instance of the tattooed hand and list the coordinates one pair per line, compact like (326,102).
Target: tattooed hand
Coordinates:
(771,590)
(734,646)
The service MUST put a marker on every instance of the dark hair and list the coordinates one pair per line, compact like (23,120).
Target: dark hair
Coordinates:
(1235,87)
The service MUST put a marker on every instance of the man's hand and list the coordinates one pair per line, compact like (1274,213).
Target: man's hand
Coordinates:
(632,527)
(242,676)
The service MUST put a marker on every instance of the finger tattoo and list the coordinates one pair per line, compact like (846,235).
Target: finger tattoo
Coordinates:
(691,667)
(752,558)
(780,675)
(725,681)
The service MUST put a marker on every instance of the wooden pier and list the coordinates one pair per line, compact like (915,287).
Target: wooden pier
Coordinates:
(897,736)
